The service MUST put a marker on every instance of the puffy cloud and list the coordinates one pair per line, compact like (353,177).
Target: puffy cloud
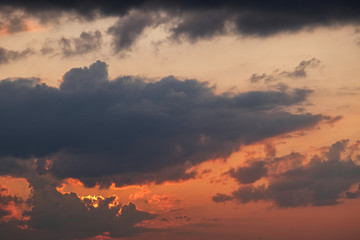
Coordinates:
(323,181)
(129,130)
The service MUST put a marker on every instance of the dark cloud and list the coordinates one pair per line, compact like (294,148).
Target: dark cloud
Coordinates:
(128,130)
(205,19)
(7,56)
(323,181)
(54,215)
(200,25)
(87,42)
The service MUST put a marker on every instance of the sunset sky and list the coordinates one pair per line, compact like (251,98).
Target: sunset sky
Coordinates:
(196,120)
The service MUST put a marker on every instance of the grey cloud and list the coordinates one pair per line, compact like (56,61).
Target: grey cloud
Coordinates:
(251,173)
(173,174)
(87,42)
(12,21)
(219,197)
(261,78)
(14,25)
(200,25)
(7,56)
(325,180)
(270,99)
(300,71)
(354,194)
(129,28)
(128,130)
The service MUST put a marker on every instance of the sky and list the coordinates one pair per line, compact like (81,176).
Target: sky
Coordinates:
(193,120)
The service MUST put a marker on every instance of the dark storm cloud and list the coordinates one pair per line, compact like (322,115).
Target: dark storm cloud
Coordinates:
(204,19)
(87,42)
(54,215)
(129,130)
(7,56)
(323,181)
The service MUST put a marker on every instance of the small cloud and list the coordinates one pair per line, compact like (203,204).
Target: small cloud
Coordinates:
(300,71)
(7,56)
(87,42)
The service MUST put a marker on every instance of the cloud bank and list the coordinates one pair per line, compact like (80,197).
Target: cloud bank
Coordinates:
(191,20)
(129,130)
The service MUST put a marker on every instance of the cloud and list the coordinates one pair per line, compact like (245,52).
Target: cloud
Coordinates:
(219,197)
(251,173)
(129,28)
(261,78)
(7,56)
(354,194)
(300,71)
(321,182)
(53,215)
(12,21)
(6,201)
(200,25)
(129,130)
(204,19)
(87,42)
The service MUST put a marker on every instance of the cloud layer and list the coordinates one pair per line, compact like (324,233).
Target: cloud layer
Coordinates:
(192,20)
